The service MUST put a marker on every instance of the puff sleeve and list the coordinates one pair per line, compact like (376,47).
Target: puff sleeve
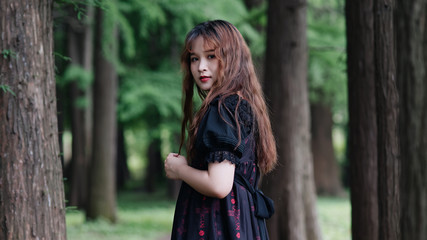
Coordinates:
(218,139)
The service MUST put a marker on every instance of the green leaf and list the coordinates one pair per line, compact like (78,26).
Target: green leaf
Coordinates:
(7,89)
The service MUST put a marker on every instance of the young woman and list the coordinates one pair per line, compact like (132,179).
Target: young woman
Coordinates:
(229,135)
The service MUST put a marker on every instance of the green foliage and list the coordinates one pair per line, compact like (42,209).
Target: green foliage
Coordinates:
(6,89)
(78,74)
(79,6)
(327,55)
(151,100)
(115,17)
(65,58)
(160,26)
(7,53)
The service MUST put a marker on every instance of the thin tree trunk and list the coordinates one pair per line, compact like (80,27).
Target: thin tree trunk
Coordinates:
(362,120)
(326,169)
(387,112)
(31,188)
(411,48)
(88,53)
(291,184)
(102,192)
(79,166)
(122,170)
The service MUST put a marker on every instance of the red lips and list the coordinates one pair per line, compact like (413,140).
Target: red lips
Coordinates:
(204,78)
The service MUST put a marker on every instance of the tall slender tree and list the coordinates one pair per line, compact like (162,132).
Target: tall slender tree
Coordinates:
(102,188)
(326,169)
(411,17)
(31,188)
(373,111)
(291,185)
(80,50)
(362,145)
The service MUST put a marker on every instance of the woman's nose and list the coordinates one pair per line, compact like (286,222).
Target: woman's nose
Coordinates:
(202,65)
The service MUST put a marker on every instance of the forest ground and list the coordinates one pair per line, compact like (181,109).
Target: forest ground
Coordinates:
(143,216)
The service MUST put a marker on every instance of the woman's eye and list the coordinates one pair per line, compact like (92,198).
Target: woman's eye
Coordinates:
(193,59)
(211,56)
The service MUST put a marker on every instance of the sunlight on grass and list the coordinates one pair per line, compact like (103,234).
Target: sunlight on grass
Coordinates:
(148,217)
(335,218)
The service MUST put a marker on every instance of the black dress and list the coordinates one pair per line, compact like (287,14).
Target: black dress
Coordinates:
(201,217)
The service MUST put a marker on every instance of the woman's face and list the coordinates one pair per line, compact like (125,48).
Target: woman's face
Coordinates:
(204,64)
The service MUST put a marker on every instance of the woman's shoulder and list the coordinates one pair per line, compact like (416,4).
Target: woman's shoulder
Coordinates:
(232,103)
(228,107)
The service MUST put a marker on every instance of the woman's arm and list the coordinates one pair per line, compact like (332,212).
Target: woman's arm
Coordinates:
(216,182)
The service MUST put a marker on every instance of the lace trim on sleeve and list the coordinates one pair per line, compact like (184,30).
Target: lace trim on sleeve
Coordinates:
(219,156)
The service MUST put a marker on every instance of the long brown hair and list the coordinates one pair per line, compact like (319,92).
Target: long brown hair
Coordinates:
(236,75)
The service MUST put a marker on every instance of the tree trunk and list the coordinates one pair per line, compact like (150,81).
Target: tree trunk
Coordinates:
(362,145)
(102,189)
(79,162)
(326,169)
(31,188)
(122,170)
(88,53)
(286,90)
(387,112)
(412,85)
(154,169)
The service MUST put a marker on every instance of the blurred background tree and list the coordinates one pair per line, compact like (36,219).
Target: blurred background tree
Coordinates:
(328,94)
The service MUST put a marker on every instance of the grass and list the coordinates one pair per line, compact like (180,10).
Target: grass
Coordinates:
(335,218)
(140,216)
(148,217)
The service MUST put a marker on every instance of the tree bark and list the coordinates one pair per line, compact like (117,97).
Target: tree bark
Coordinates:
(387,121)
(291,184)
(362,145)
(412,86)
(79,164)
(31,188)
(326,169)
(102,189)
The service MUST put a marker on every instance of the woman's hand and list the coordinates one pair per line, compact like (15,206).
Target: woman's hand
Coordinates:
(173,164)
